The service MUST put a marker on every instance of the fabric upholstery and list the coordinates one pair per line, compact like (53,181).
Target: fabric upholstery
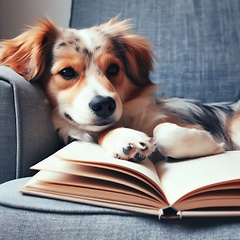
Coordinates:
(26,130)
(8,133)
(196,41)
(27,217)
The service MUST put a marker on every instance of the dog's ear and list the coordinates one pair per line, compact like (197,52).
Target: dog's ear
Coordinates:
(29,53)
(138,61)
(134,50)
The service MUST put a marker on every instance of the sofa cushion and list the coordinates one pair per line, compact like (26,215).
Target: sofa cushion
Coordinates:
(26,129)
(8,141)
(197,42)
(11,196)
(29,217)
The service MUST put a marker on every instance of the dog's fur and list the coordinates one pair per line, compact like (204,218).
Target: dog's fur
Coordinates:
(97,80)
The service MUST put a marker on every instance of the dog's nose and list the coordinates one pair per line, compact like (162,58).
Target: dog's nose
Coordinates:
(103,106)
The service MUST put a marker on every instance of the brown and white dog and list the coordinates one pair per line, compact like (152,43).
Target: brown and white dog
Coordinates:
(97,80)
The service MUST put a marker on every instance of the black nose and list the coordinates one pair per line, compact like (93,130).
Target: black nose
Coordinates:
(103,106)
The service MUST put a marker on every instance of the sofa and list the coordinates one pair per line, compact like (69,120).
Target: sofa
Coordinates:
(197,43)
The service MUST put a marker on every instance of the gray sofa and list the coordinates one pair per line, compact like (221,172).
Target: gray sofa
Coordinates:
(198,46)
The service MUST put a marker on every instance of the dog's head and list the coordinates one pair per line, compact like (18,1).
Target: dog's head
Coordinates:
(87,74)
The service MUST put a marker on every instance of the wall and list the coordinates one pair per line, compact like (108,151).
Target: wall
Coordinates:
(15,14)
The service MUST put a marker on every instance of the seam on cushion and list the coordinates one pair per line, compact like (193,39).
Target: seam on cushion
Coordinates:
(24,108)
(18,138)
(18,135)
(13,169)
(10,76)
(74,212)
(11,197)
(97,211)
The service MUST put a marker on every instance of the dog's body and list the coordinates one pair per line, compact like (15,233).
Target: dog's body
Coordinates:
(97,81)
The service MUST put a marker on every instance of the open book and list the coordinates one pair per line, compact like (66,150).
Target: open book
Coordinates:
(83,172)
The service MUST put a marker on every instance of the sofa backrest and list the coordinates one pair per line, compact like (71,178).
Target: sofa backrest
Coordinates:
(197,42)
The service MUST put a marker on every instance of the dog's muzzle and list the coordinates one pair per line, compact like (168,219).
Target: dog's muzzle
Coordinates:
(102,106)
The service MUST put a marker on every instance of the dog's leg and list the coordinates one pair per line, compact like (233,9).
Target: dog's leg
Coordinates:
(126,143)
(180,142)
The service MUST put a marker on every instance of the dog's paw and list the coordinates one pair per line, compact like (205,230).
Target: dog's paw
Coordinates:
(128,144)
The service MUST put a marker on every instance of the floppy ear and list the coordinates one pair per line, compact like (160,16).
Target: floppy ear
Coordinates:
(138,62)
(134,50)
(29,53)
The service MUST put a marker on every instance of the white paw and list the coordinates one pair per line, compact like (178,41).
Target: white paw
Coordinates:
(179,142)
(128,144)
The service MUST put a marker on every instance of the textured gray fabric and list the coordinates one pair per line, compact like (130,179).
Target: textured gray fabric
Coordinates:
(27,135)
(7,133)
(25,217)
(10,196)
(22,224)
(197,42)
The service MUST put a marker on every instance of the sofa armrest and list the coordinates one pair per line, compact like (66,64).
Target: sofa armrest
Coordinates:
(26,131)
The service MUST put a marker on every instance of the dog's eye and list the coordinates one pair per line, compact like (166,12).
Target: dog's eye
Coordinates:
(113,70)
(68,73)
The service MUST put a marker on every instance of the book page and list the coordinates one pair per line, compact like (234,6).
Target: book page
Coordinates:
(77,189)
(88,188)
(90,160)
(179,179)
(56,165)
(93,155)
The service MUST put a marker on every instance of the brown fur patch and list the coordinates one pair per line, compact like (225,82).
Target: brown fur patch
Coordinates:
(30,52)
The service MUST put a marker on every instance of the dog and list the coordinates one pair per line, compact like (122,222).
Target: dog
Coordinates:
(97,81)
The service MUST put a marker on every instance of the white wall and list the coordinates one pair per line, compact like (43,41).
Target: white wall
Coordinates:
(15,14)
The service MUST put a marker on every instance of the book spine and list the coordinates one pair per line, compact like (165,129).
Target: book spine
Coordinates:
(169,213)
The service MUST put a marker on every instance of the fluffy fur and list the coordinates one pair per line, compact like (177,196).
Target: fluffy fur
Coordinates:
(97,80)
